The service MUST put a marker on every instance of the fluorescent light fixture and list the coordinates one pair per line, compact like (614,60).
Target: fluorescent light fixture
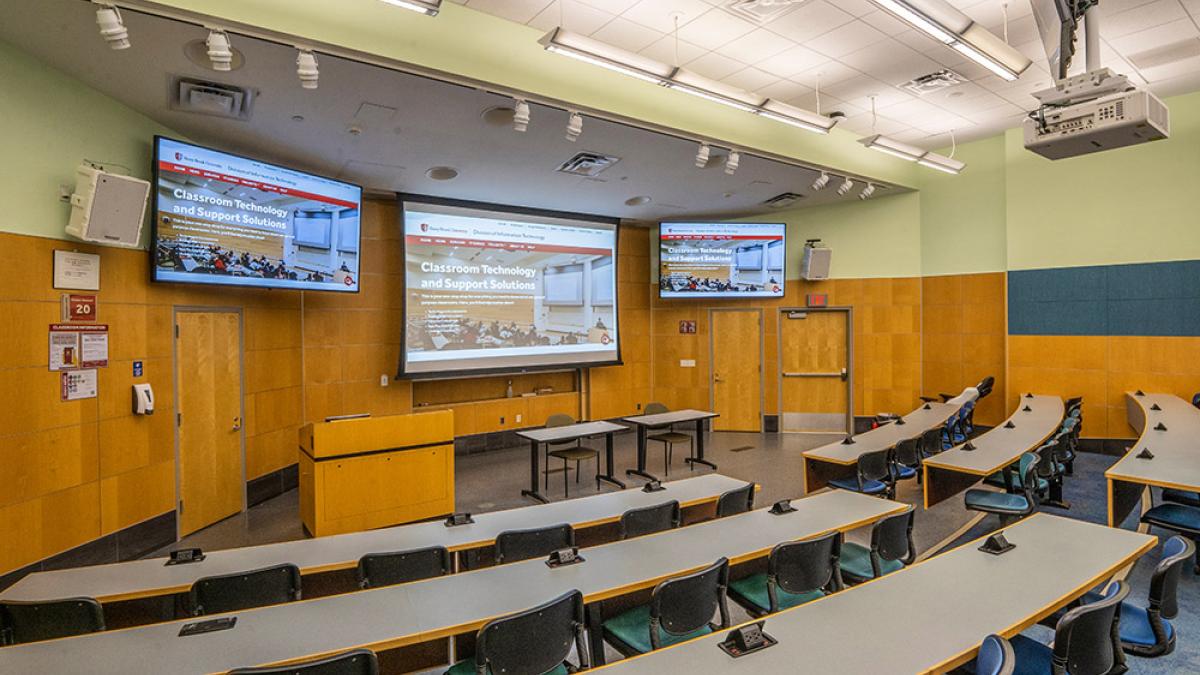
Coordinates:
(892,147)
(946,24)
(427,7)
(711,90)
(582,48)
(941,163)
(797,117)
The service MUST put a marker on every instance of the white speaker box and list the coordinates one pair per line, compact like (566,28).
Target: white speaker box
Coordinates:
(815,264)
(108,208)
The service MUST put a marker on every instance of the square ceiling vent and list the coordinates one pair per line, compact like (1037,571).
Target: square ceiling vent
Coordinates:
(211,98)
(927,84)
(587,164)
(761,11)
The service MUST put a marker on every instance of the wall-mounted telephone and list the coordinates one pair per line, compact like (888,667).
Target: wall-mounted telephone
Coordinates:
(143,399)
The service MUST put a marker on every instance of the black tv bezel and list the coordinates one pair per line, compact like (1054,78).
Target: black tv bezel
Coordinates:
(403,198)
(224,284)
(717,295)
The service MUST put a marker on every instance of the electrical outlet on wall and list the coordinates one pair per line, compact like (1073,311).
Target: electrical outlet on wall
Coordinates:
(518,418)
(383,380)
(687,363)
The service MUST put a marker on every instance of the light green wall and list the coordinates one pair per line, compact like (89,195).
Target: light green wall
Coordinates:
(1136,204)
(52,125)
(486,48)
(963,217)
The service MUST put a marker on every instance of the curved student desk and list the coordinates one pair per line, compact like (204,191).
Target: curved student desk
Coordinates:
(883,626)
(150,578)
(950,472)
(840,459)
(434,609)
(1176,450)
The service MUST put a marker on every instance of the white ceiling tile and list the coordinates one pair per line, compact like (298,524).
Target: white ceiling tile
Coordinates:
(714,66)
(825,74)
(1158,36)
(1193,7)
(660,14)
(627,35)
(664,49)
(756,45)
(968,106)
(751,79)
(792,61)
(1000,112)
(917,137)
(845,39)
(812,19)
(610,6)
(857,7)
(784,90)
(859,90)
(885,22)
(864,124)
(921,42)
(1141,18)
(990,13)
(714,29)
(828,104)
(520,11)
(575,17)
(890,62)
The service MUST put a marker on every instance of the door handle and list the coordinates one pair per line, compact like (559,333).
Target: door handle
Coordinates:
(237,424)
(717,378)
(845,375)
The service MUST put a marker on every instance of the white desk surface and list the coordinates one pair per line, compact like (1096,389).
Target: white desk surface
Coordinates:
(570,432)
(673,417)
(144,578)
(999,447)
(916,423)
(884,626)
(1176,451)
(428,610)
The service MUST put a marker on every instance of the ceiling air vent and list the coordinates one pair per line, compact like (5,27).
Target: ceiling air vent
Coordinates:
(587,164)
(211,98)
(932,82)
(761,11)
(783,200)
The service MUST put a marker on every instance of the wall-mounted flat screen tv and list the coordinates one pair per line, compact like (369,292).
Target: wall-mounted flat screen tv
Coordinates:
(722,260)
(505,289)
(225,219)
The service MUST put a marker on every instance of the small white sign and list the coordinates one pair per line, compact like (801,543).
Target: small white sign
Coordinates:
(78,384)
(77,271)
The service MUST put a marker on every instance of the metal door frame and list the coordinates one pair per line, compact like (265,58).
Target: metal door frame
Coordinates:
(199,309)
(712,389)
(849,312)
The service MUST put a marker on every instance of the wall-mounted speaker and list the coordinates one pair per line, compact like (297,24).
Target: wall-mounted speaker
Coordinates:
(814,266)
(108,208)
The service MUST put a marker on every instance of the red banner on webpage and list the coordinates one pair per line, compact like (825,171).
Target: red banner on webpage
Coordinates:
(719,237)
(252,184)
(420,240)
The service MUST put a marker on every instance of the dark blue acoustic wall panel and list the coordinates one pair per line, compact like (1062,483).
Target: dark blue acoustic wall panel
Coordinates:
(1139,299)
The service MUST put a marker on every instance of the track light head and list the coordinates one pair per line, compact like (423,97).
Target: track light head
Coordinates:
(112,26)
(867,192)
(521,115)
(220,52)
(702,155)
(574,126)
(732,162)
(845,187)
(306,69)
(820,183)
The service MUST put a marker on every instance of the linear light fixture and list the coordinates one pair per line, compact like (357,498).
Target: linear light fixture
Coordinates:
(941,163)
(912,153)
(946,24)
(427,7)
(582,48)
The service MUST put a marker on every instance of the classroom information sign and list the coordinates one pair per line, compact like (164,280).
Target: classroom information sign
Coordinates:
(75,346)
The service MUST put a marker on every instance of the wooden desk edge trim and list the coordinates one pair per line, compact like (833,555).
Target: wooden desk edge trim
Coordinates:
(363,453)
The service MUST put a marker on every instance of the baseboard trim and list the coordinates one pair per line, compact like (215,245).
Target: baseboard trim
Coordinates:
(271,485)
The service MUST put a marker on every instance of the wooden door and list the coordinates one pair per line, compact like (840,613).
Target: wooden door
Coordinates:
(737,369)
(814,361)
(208,382)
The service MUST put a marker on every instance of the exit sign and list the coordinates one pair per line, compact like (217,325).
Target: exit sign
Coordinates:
(817,299)
(77,307)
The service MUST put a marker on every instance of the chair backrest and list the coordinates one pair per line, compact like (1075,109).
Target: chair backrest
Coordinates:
(650,519)
(514,545)
(875,465)
(655,408)
(737,500)
(241,590)
(536,640)
(1196,400)
(399,567)
(1048,455)
(353,662)
(34,621)
(891,538)
(996,657)
(560,420)
(1073,402)
(931,442)
(985,386)
(1163,584)
(687,603)
(1086,641)
(804,566)
(907,452)
(1029,467)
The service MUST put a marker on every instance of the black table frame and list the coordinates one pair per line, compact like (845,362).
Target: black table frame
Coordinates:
(642,430)
(535,462)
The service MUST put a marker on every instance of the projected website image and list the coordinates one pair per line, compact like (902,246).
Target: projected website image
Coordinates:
(734,266)
(213,228)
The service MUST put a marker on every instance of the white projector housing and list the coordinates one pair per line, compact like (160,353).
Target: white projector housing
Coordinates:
(108,208)
(1112,121)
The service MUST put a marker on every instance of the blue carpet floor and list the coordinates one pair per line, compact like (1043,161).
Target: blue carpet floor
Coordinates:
(1086,491)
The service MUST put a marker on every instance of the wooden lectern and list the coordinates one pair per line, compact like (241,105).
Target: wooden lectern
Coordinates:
(364,473)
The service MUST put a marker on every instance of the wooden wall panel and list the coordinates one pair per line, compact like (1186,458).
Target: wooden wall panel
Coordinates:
(963,338)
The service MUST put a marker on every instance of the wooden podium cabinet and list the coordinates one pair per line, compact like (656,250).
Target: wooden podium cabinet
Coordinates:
(360,474)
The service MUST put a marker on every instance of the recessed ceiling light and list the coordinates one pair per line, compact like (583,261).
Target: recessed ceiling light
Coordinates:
(297,118)
(640,200)
(498,116)
(442,173)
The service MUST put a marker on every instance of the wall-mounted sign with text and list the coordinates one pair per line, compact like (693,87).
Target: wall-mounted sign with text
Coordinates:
(76,307)
(75,346)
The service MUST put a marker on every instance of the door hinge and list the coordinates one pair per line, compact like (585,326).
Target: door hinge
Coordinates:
(180,506)
(178,419)
(177,331)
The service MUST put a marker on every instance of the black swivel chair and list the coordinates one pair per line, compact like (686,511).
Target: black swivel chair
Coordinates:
(242,590)
(995,657)
(515,545)
(872,476)
(1009,506)
(891,549)
(568,451)
(535,641)
(650,519)
(737,500)
(931,442)
(1085,640)
(681,608)
(354,662)
(797,572)
(22,622)
(1179,518)
(667,436)
(907,460)
(985,386)
(1181,497)
(400,567)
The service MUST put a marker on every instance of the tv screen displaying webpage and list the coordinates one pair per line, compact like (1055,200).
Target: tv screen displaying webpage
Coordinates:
(723,260)
(224,219)
(496,289)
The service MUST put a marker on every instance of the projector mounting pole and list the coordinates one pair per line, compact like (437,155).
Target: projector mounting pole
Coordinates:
(1091,35)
